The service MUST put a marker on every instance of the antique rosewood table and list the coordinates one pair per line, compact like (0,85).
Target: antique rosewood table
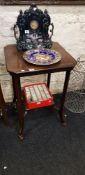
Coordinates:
(18,67)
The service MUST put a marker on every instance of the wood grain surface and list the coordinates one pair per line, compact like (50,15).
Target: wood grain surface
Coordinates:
(42,2)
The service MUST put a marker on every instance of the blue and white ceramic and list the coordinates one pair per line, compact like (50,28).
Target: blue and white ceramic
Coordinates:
(42,56)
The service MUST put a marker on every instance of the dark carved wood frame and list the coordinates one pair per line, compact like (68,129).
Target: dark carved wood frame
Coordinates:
(42,2)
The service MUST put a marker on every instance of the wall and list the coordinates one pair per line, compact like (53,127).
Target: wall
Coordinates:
(69,31)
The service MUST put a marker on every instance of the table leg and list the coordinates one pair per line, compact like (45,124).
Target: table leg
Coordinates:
(19,106)
(61,113)
(14,88)
(48,79)
(3,109)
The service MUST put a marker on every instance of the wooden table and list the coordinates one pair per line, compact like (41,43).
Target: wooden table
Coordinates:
(18,67)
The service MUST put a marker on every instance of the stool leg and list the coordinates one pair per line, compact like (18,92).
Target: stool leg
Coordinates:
(48,79)
(3,109)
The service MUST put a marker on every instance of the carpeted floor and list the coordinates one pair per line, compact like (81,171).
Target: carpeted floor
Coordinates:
(48,148)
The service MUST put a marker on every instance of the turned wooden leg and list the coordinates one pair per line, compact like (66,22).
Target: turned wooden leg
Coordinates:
(19,106)
(3,109)
(61,110)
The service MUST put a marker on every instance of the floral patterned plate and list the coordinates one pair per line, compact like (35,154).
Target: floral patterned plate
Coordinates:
(42,57)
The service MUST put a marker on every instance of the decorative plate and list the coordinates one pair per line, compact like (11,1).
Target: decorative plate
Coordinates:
(42,57)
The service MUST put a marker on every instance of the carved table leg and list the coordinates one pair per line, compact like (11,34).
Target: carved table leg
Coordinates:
(3,109)
(61,111)
(19,106)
